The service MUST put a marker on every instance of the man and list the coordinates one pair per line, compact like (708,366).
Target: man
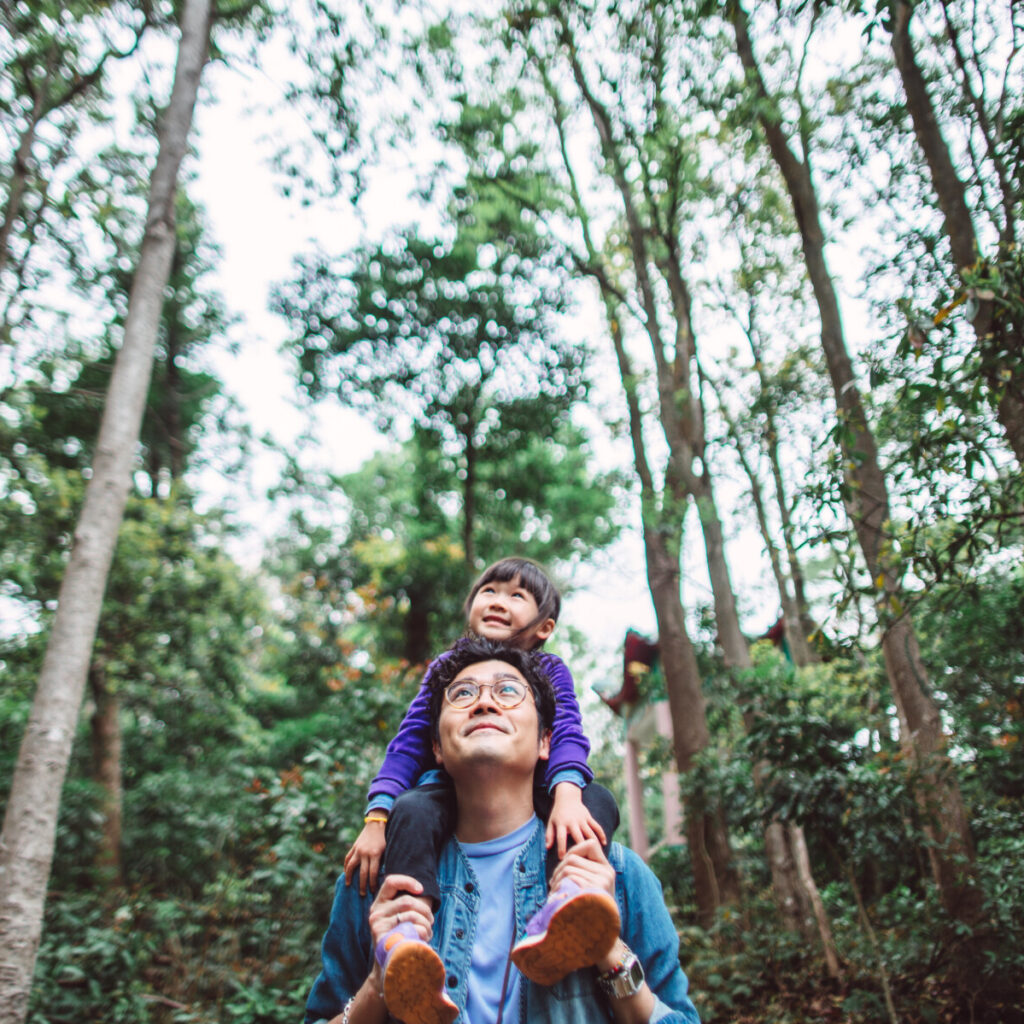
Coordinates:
(491,711)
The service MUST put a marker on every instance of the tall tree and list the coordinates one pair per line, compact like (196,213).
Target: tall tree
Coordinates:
(648,215)
(950,845)
(990,275)
(457,338)
(26,844)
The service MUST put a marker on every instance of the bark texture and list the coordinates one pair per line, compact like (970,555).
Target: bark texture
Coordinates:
(106,772)
(27,841)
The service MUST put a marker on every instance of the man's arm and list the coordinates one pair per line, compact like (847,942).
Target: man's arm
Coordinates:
(646,929)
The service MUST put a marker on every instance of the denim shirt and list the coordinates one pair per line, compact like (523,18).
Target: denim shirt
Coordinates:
(646,928)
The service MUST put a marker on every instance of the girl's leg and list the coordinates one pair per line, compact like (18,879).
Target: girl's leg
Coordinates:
(419,825)
(597,800)
(576,927)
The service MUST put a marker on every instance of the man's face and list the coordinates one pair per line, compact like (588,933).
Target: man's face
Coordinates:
(487,733)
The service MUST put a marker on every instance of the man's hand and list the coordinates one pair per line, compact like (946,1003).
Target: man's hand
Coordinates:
(365,856)
(399,902)
(569,819)
(587,866)
(396,903)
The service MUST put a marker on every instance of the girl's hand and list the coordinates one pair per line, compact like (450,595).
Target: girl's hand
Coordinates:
(365,856)
(570,819)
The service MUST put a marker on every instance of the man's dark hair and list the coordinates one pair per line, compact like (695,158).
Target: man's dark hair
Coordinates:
(532,578)
(472,651)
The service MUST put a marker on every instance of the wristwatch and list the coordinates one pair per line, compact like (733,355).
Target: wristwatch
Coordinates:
(625,979)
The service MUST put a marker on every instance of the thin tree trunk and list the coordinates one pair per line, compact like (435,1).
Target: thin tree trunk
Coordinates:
(798,647)
(19,179)
(815,907)
(106,771)
(30,822)
(802,623)
(1000,340)
(172,420)
(950,845)
(716,882)
(469,501)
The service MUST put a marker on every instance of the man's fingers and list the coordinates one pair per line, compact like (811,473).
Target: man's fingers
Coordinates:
(395,884)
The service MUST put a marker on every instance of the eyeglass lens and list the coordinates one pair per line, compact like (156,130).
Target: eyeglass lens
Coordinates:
(507,693)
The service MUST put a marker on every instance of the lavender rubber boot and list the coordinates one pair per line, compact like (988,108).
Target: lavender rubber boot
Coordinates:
(575,928)
(413,978)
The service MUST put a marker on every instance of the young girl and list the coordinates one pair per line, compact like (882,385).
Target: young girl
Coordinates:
(513,602)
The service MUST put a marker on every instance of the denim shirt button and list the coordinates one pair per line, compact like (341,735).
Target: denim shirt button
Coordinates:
(452,981)
(459,933)
(469,887)
(522,866)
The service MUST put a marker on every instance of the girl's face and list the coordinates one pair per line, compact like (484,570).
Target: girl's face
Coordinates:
(500,611)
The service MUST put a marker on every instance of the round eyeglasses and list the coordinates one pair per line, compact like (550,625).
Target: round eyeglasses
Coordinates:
(506,693)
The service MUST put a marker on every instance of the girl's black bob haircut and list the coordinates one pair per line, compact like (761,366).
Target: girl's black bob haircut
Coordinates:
(532,578)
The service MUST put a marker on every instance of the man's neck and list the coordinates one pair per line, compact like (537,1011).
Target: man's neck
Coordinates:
(487,809)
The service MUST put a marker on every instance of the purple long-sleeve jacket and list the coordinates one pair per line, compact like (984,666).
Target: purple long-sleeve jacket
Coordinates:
(410,753)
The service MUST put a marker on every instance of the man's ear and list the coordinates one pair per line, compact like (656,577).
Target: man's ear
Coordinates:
(437,753)
(544,745)
(544,630)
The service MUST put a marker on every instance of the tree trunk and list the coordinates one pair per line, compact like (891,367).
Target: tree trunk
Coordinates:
(172,418)
(30,822)
(1000,340)
(950,845)
(812,904)
(803,624)
(106,772)
(716,882)
(795,638)
(469,501)
(19,178)
(735,649)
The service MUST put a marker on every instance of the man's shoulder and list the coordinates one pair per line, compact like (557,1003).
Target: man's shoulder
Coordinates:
(634,871)
(622,857)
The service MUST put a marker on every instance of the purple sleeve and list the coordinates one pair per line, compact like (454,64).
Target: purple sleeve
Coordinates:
(569,746)
(410,753)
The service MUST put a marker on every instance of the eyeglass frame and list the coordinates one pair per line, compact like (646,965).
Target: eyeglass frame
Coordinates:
(527,691)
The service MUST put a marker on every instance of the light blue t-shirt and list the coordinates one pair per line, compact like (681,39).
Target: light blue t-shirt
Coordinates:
(493,862)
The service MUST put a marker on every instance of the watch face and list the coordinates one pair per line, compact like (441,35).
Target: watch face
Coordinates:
(635,974)
(628,981)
